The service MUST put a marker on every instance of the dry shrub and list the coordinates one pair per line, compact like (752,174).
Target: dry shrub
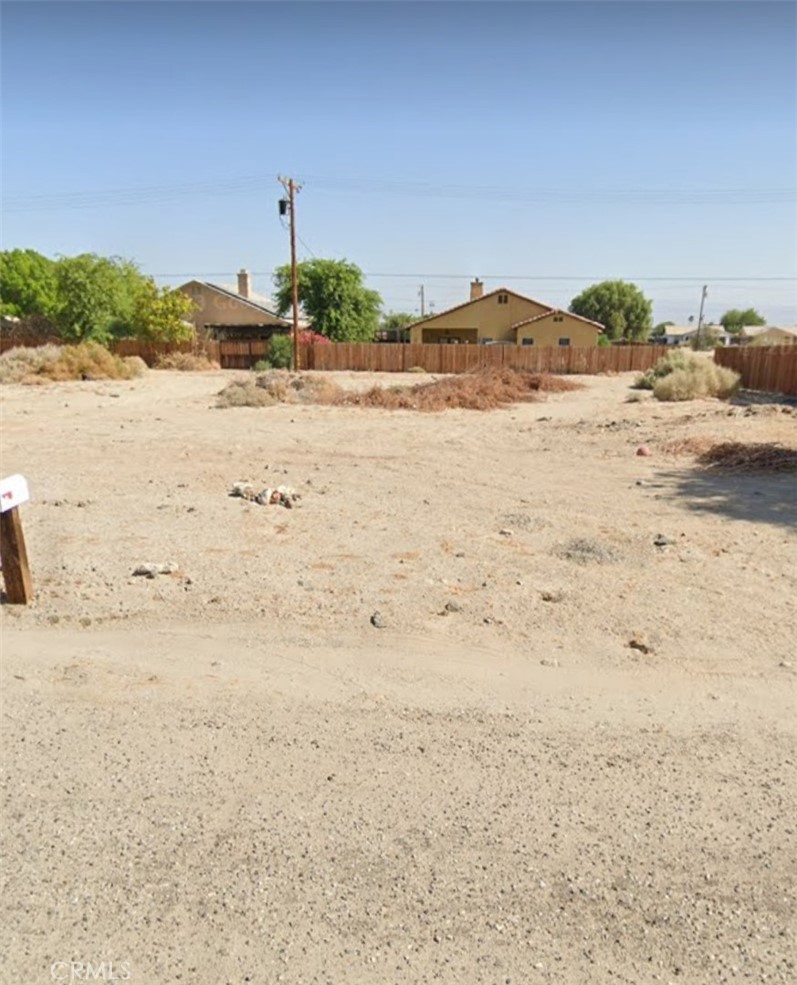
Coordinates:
(136,365)
(186,362)
(482,390)
(278,386)
(244,393)
(86,361)
(699,378)
(299,388)
(734,456)
(23,362)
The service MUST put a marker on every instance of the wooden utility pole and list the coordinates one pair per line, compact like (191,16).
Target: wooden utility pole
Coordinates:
(422,296)
(292,188)
(703,297)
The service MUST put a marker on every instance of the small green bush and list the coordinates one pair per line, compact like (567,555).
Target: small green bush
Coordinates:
(280,352)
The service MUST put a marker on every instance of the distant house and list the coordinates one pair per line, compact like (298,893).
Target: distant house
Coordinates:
(767,335)
(507,318)
(226,313)
(686,334)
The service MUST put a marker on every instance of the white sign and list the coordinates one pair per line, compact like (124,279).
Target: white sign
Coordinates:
(13,491)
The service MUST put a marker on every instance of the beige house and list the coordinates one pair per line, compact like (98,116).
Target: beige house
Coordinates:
(505,317)
(225,313)
(767,335)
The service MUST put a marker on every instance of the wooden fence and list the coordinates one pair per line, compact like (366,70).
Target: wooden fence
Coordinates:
(762,367)
(25,342)
(229,355)
(399,358)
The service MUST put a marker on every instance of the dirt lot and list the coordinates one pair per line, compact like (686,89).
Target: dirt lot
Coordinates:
(567,756)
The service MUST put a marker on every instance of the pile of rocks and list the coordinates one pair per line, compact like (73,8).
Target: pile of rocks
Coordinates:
(279,496)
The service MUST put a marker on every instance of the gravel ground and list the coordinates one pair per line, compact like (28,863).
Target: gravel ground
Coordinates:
(568,757)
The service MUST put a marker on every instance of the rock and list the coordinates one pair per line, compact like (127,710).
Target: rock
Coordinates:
(661,541)
(639,641)
(377,621)
(151,570)
(643,451)
(244,490)
(549,662)
(786,664)
(453,607)
(505,532)
(551,596)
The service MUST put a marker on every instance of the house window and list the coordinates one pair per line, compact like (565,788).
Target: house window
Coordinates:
(503,299)
(527,342)
(558,317)
(564,341)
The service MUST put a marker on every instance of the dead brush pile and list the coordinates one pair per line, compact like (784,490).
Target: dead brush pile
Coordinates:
(688,446)
(481,390)
(734,456)
(186,362)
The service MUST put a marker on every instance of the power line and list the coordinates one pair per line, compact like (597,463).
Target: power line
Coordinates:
(523,277)
(135,195)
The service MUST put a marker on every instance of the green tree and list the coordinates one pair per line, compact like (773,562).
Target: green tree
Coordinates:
(621,308)
(661,328)
(333,297)
(161,315)
(27,284)
(396,322)
(96,296)
(735,319)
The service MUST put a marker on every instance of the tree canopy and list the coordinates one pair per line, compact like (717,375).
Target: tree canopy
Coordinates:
(333,297)
(621,308)
(90,297)
(735,319)
(27,283)
(394,324)
(161,314)
(96,297)
(661,328)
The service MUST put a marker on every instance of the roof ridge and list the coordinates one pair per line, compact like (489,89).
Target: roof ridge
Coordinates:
(556,311)
(464,304)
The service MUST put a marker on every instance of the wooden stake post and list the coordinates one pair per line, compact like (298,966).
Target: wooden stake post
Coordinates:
(13,555)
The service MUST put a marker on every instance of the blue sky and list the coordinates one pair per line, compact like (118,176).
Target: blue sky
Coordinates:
(540,145)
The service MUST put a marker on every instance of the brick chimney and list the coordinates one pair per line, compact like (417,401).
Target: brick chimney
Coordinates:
(476,289)
(244,283)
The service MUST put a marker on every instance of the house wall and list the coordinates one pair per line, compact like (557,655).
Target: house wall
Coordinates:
(774,336)
(546,331)
(486,316)
(218,309)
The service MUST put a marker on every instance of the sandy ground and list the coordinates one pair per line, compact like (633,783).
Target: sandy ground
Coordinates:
(227,774)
